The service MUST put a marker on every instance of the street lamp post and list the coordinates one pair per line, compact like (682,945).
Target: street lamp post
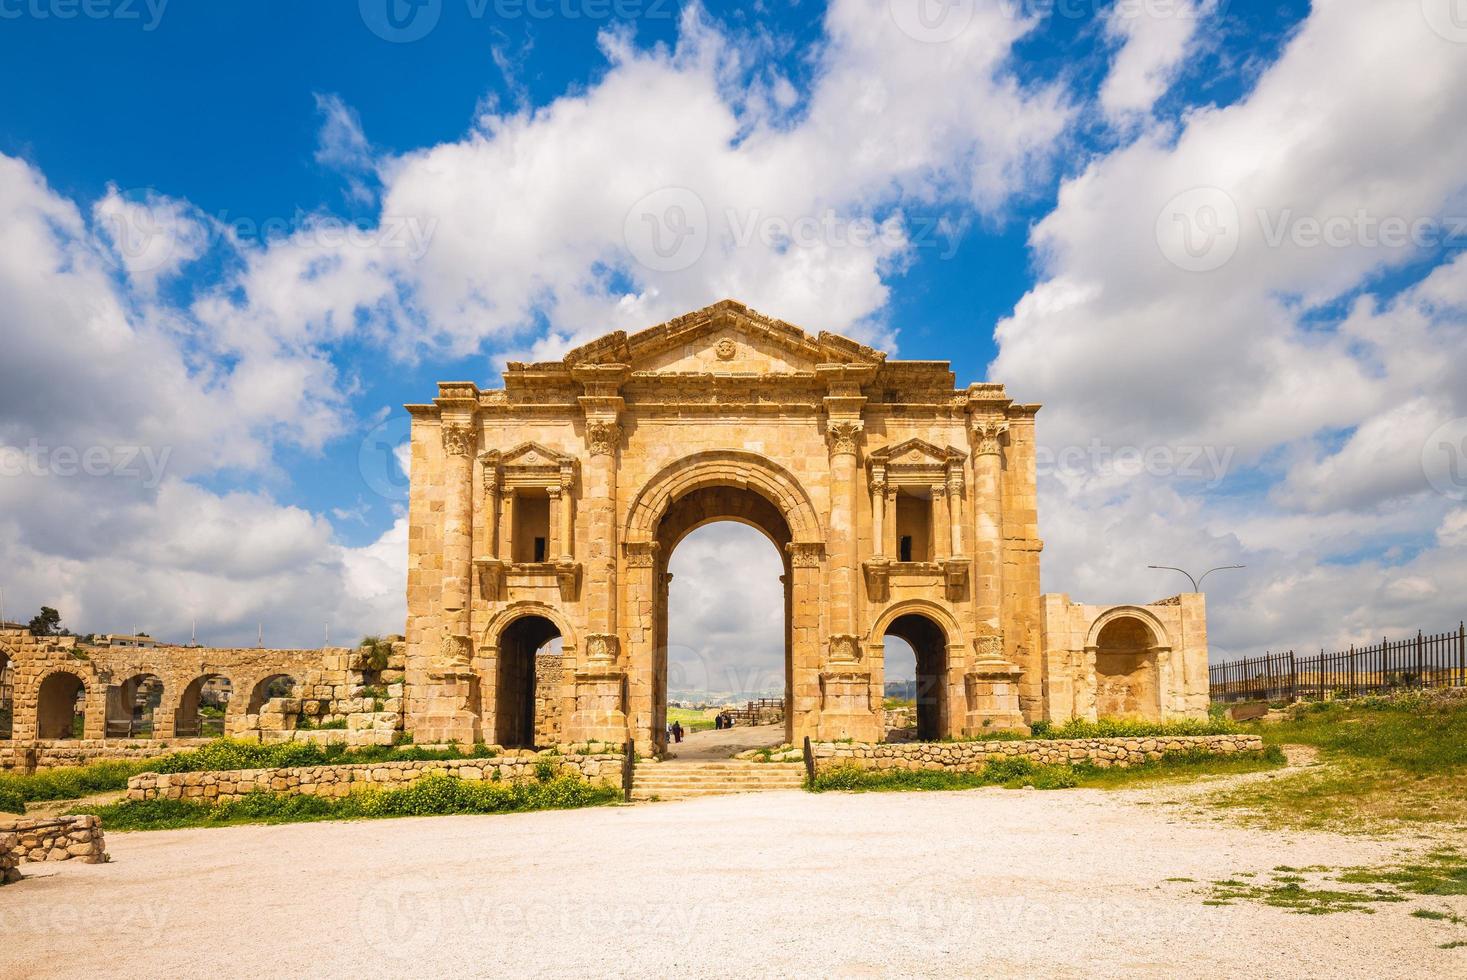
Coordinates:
(1196,582)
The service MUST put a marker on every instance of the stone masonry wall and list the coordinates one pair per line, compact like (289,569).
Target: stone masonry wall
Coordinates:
(9,859)
(220,787)
(56,839)
(972,756)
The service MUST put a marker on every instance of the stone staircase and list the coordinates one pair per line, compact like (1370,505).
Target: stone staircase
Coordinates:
(690,780)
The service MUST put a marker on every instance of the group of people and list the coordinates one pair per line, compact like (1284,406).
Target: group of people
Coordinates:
(675,729)
(723,720)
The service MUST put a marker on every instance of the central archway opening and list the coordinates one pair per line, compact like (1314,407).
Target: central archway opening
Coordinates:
(723,670)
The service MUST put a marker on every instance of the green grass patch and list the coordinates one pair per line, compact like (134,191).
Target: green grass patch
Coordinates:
(1112,728)
(75,782)
(1021,773)
(691,719)
(434,795)
(1388,763)
(1441,872)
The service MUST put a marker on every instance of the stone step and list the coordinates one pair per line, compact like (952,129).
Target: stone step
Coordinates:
(691,780)
(688,794)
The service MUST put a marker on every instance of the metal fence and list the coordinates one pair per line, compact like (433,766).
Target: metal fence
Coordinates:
(1438,660)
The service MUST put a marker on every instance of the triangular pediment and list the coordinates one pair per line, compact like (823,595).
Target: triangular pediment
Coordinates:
(528,454)
(915,452)
(725,338)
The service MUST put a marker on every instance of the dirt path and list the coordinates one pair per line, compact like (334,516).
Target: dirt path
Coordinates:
(713,744)
(988,882)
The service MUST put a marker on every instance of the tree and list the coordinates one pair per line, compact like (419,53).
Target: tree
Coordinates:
(47,623)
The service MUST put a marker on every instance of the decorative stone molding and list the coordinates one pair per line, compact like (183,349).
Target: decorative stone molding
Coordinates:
(459,439)
(878,577)
(603,437)
(988,435)
(955,575)
(641,554)
(988,648)
(602,649)
(490,572)
(726,350)
(455,651)
(568,578)
(845,648)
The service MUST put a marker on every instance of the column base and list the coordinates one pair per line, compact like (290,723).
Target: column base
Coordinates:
(450,712)
(845,706)
(600,714)
(992,689)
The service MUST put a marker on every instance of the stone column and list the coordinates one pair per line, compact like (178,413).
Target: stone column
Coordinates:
(955,507)
(506,526)
(601,678)
(941,533)
(878,513)
(988,523)
(842,436)
(567,519)
(491,505)
(557,526)
(459,440)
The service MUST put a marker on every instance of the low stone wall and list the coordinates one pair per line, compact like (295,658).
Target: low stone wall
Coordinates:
(220,787)
(56,839)
(9,860)
(972,756)
(54,753)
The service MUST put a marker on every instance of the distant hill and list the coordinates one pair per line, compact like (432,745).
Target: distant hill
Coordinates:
(902,690)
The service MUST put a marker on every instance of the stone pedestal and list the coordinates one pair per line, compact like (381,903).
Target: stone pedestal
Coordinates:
(600,715)
(992,689)
(845,705)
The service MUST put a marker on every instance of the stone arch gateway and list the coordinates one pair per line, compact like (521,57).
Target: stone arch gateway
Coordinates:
(889,491)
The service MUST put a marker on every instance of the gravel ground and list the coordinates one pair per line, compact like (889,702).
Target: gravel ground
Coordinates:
(988,882)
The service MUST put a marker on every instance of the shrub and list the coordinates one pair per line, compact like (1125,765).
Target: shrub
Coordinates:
(71,782)
(10,802)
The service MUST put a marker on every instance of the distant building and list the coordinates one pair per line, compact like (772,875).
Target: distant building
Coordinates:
(123,640)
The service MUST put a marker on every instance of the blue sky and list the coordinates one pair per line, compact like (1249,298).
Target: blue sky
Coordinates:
(1023,153)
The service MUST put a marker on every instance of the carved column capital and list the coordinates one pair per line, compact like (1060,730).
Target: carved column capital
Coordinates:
(805,554)
(988,435)
(603,436)
(843,435)
(459,439)
(641,554)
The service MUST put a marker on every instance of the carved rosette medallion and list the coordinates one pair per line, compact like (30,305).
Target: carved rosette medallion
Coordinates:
(726,350)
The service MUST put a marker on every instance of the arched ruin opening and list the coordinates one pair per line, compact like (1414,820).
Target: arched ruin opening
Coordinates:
(202,706)
(276,687)
(1126,681)
(528,678)
(132,706)
(61,706)
(764,675)
(928,645)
